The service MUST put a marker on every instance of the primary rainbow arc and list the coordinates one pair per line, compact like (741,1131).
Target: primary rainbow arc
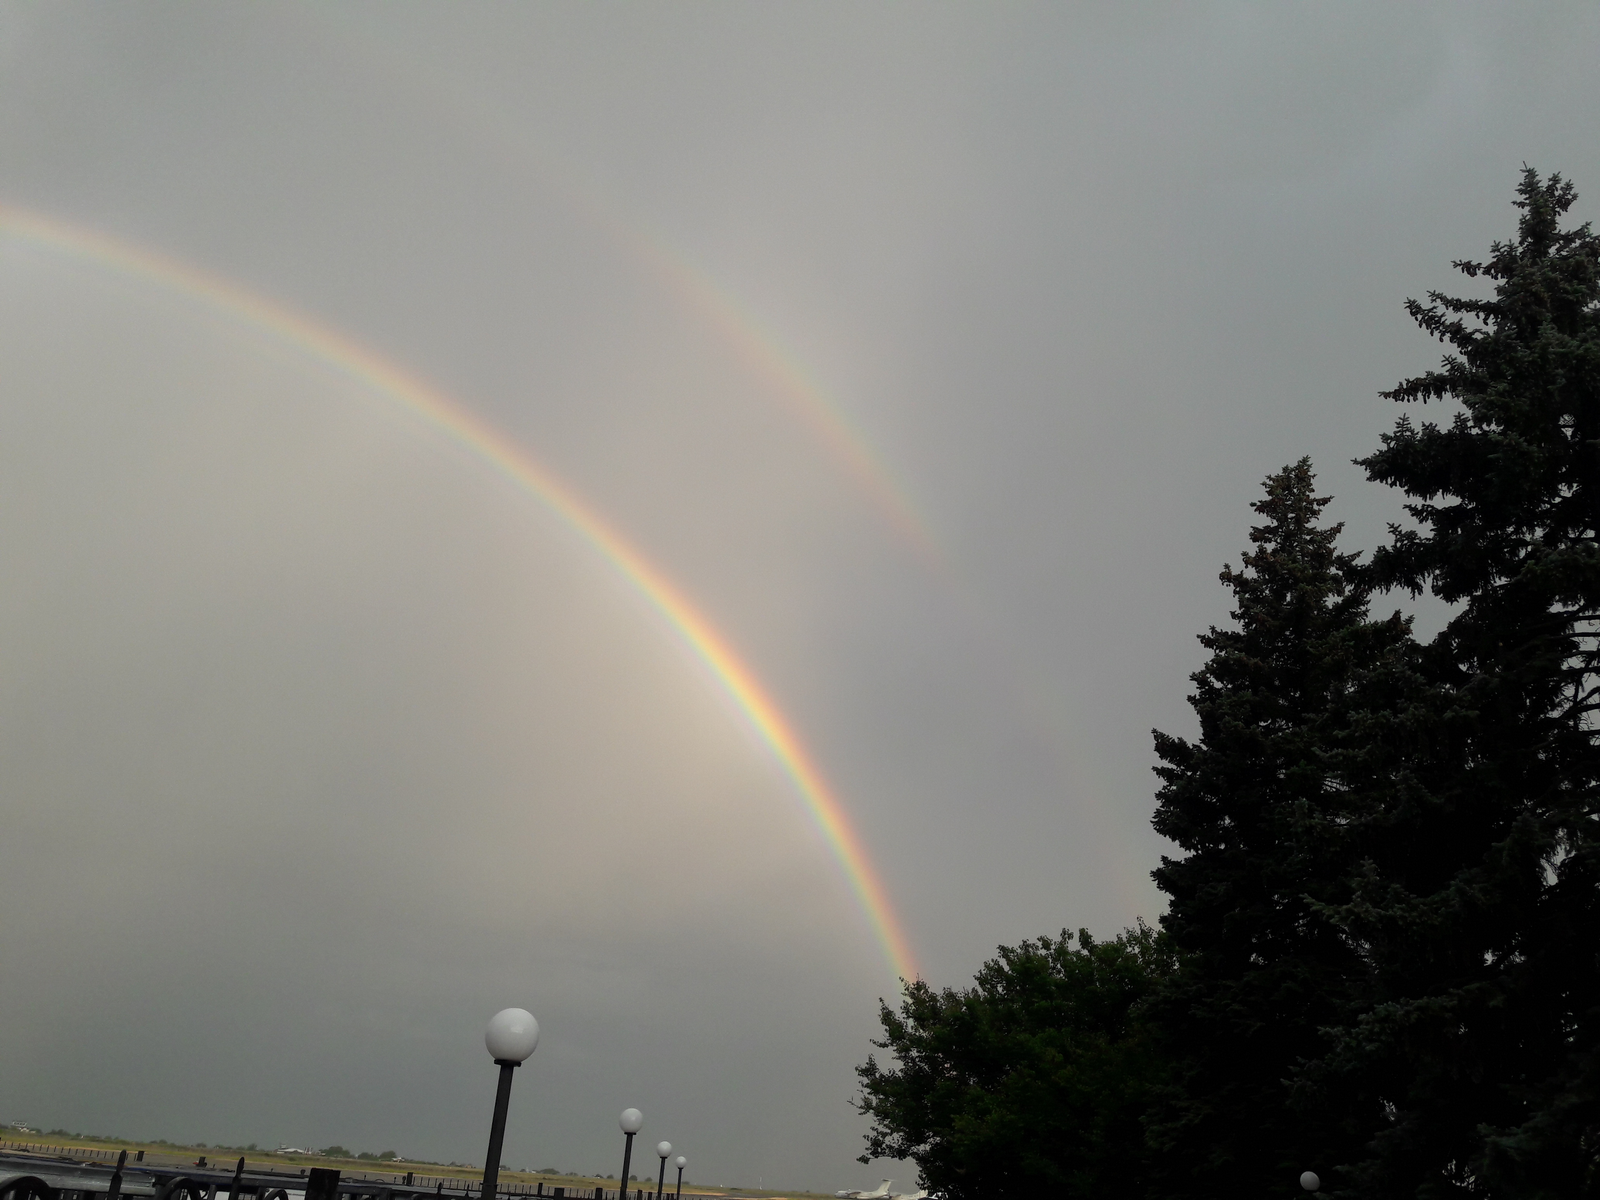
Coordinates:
(495,449)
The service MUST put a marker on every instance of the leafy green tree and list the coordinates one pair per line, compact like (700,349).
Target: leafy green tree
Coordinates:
(1479,907)
(1032,1082)
(1261,803)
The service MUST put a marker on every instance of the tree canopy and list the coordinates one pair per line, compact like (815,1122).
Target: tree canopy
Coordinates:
(1033,1081)
(1259,803)
(1381,955)
(1478,907)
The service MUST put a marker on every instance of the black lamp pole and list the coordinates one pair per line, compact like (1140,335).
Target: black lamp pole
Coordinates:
(679,1193)
(511,1038)
(661,1179)
(627,1157)
(497,1130)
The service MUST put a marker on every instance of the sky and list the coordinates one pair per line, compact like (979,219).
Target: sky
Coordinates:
(665,516)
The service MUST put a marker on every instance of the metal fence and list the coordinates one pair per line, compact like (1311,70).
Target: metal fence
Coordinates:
(42,1171)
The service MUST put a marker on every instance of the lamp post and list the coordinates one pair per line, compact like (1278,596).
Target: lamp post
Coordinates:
(511,1037)
(631,1121)
(681,1162)
(663,1149)
(1309,1181)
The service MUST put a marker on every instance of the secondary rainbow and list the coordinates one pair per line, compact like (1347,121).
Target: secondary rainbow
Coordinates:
(805,395)
(492,447)
(731,318)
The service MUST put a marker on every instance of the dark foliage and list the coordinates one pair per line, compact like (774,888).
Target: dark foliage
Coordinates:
(1478,906)
(1032,1082)
(1261,804)
(1381,959)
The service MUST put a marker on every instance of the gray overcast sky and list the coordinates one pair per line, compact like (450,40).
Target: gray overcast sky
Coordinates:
(322,742)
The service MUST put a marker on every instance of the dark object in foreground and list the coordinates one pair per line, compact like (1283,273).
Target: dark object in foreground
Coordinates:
(322,1183)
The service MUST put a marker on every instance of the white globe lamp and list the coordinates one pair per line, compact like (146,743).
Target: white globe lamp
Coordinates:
(511,1036)
(631,1121)
(1310,1182)
(663,1149)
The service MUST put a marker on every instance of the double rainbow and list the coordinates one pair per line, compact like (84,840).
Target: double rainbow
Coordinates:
(494,449)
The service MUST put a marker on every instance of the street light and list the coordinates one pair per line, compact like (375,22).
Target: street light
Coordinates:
(681,1162)
(511,1037)
(631,1121)
(1310,1182)
(663,1149)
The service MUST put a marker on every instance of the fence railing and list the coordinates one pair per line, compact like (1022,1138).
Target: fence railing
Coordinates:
(218,1175)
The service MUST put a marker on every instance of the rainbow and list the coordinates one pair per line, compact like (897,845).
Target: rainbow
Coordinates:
(805,395)
(493,448)
(681,276)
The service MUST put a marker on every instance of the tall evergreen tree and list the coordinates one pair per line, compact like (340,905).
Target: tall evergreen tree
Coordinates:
(1260,804)
(1479,909)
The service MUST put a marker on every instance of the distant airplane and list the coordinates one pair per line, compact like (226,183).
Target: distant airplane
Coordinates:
(919,1194)
(880,1193)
